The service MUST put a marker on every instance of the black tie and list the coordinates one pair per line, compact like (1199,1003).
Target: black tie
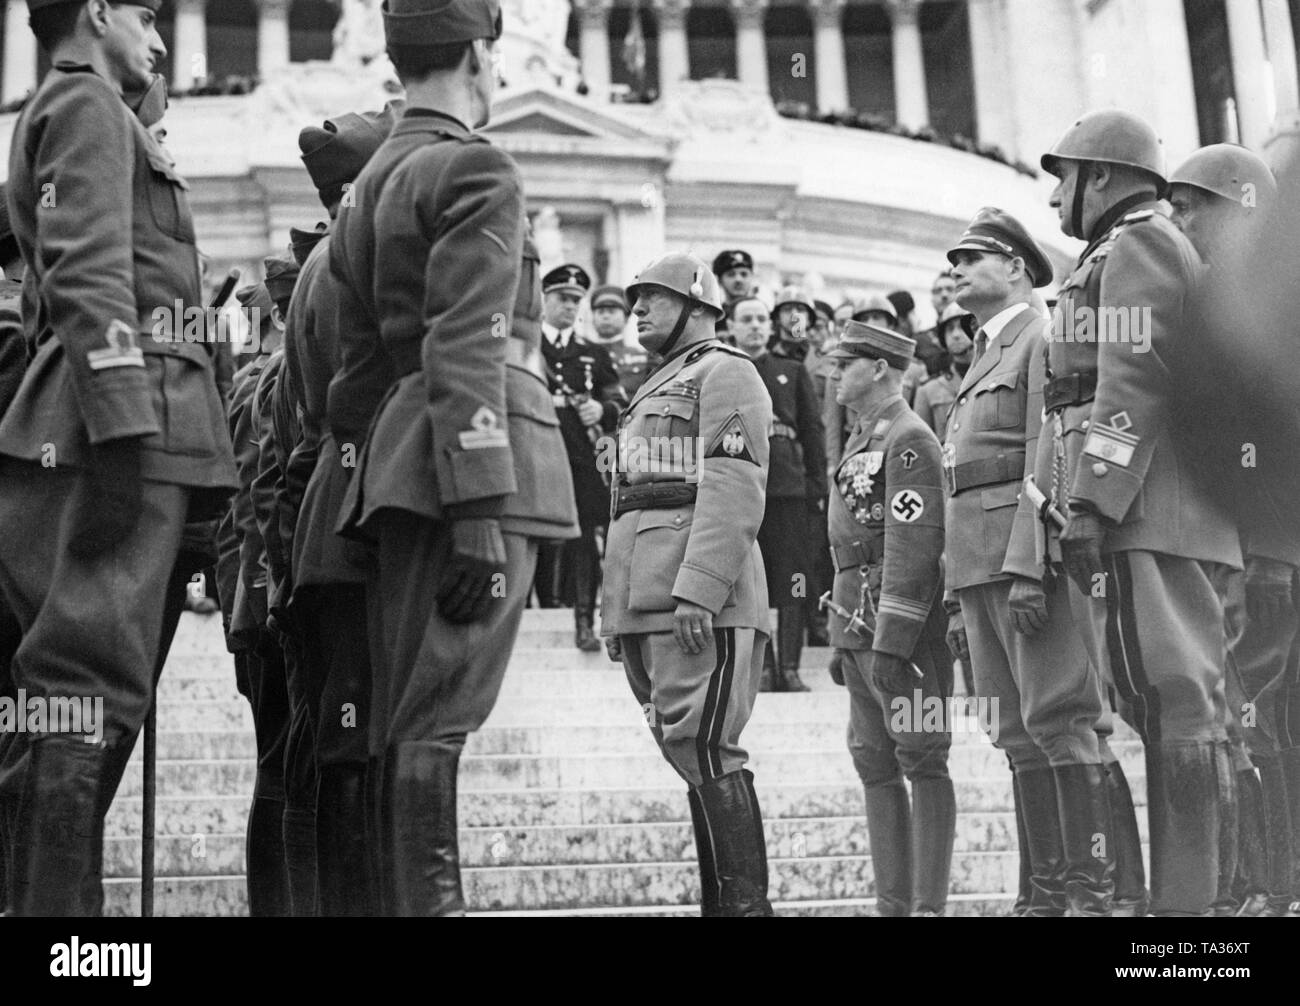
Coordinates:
(981,344)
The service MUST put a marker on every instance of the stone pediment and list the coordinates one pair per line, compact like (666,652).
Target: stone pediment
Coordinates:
(548,112)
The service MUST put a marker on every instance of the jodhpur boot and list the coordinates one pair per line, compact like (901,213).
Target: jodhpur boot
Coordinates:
(114,765)
(299,825)
(1251,887)
(1277,837)
(420,830)
(1087,839)
(1045,849)
(934,827)
(268,875)
(789,646)
(342,858)
(1225,899)
(59,830)
(1131,898)
(735,828)
(710,894)
(1025,888)
(584,604)
(889,829)
(767,681)
(1183,803)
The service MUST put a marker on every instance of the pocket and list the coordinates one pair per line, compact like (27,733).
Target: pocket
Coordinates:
(669,416)
(187,404)
(657,554)
(999,403)
(545,489)
(168,202)
(999,503)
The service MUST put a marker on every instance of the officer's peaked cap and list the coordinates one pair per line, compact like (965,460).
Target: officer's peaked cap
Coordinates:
(994,230)
(440,22)
(860,341)
(570,278)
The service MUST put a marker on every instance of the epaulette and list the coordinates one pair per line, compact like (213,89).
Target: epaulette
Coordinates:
(1121,225)
(714,346)
(1137,216)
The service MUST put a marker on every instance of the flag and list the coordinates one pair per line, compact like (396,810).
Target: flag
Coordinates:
(634,46)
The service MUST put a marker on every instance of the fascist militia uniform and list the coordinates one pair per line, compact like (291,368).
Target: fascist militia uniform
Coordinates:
(128,421)
(683,528)
(886,538)
(1153,617)
(724,263)
(630,360)
(427,256)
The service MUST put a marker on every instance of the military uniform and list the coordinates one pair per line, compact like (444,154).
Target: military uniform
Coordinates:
(109,382)
(630,360)
(1154,622)
(886,537)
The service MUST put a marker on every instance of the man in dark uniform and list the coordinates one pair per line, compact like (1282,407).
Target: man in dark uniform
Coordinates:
(796,484)
(1222,196)
(685,602)
(735,274)
(886,535)
(328,604)
(430,260)
(588,398)
(609,314)
(1146,545)
(115,434)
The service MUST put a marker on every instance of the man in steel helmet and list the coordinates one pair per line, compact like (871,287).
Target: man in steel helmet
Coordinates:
(1145,545)
(685,600)
(1222,195)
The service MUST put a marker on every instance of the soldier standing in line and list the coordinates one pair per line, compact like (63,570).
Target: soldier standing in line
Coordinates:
(839,420)
(1146,545)
(886,534)
(685,602)
(430,258)
(735,273)
(934,398)
(1221,197)
(796,479)
(128,411)
(588,398)
(327,573)
(609,314)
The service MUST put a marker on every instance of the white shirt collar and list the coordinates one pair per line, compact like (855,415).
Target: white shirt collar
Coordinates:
(555,336)
(994,326)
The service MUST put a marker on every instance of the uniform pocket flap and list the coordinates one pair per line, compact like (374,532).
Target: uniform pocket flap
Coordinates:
(677,520)
(163,165)
(671,405)
(993,383)
(527,397)
(999,496)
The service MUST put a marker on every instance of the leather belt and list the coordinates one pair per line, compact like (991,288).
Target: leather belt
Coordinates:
(1073,389)
(788,432)
(527,358)
(986,472)
(653,496)
(856,554)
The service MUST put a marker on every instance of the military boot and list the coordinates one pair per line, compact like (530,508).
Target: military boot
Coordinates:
(420,829)
(1087,839)
(789,645)
(1251,882)
(889,829)
(768,681)
(1183,804)
(735,828)
(934,825)
(1277,837)
(266,872)
(584,604)
(59,831)
(1131,898)
(1045,850)
(299,825)
(710,894)
(342,859)
(1025,888)
(1225,901)
(375,845)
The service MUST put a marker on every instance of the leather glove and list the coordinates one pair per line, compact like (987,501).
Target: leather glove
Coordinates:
(891,674)
(614,648)
(1268,589)
(478,554)
(109,500)
(1028,606)
(1081,549)
(836,667)
(958,645)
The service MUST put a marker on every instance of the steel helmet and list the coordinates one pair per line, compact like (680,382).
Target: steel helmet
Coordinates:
(876,302)
(683,274)
(953,310)
(795,295)
(1112,137)
(1230,171)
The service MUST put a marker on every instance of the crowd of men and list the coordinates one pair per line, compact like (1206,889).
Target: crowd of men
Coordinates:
(1074,509)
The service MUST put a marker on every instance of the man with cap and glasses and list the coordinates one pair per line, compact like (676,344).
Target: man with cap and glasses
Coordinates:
(430,258)
(685,602)
(588,398)
(115,435)
(886,537)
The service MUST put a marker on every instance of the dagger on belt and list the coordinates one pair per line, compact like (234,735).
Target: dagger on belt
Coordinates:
(856,625)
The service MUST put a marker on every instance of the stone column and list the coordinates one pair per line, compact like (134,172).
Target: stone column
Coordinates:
(911,104)
(674,53)
(1246,44)
(272,36)
(751,43)
(19,54)
(594,20)
(993,110)
(828,50)
(190,50)
(1281,54)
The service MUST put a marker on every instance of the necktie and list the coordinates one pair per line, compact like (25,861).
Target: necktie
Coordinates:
(981,344)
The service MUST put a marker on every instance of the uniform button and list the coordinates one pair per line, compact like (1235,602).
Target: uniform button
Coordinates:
(962,400)
(1085,424)
(677,520)
(1100,469)
(666,410)
(956,426)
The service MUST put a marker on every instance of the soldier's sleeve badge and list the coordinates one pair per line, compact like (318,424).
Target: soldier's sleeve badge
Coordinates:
(733,441)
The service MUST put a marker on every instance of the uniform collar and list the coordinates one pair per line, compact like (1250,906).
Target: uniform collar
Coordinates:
(885,410)
(994,326)
(550,333)
(1112,216)
(428,120)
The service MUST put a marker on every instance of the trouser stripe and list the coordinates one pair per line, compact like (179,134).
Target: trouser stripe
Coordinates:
(716,702)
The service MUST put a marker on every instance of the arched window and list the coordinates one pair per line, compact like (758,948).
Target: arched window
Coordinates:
(620,21)
(232,39)
(311,30)
(790,68)
(869,57)
(712,42)
(949,80)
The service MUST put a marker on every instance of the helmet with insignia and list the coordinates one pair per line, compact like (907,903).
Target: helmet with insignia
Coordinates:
(996,231)
(440,22)
(683,274)
(1229,171)
(567,279)
(728,260)
(860,341)
(877,304)
(1111,137)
